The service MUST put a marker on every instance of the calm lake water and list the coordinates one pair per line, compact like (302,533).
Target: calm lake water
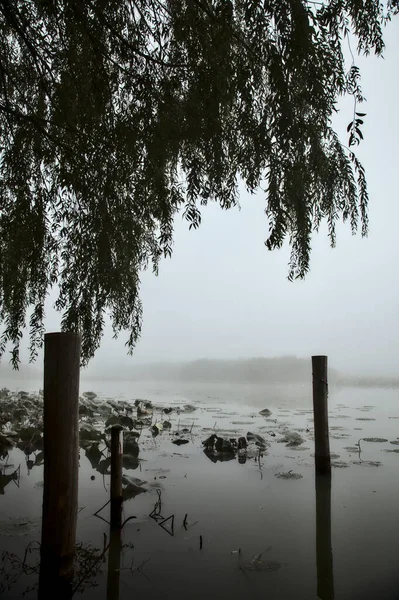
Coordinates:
(257,528)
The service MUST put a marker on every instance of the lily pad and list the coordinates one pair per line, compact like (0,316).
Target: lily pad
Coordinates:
(180,442)
(130,461)
(265,412)
(89,395)
(88,432)
(94,454)
(131,487)
(121,420)
(258,439)
(291,438)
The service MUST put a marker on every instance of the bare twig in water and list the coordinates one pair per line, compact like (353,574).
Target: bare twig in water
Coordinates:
(139,568)
(162,523)
(358,444)
(141,429)
(244,571)
(185,522)
(28,549)
(156,511)
(142,564)
(126,520)
(90,568)
(99,510)
(200,542)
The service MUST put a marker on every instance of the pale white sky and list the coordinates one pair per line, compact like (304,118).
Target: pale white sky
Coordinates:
(223,295)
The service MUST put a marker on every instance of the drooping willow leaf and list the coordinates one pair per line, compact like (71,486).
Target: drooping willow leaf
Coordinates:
(117,114)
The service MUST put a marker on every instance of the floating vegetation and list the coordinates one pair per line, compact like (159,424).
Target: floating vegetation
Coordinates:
(374,439)
(396,450)
(339,416)
(395,442)
(364,419)
(291,438)
(257,564)
(288,475)
(19,526)
(367,463)
(339,464)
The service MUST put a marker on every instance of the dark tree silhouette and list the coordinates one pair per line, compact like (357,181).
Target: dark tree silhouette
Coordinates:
(116,114)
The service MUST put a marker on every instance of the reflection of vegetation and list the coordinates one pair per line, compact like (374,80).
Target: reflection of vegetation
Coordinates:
(12,567)
(87,566)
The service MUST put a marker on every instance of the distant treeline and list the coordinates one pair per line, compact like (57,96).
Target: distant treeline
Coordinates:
(370,382)
(282,369)
(286,369)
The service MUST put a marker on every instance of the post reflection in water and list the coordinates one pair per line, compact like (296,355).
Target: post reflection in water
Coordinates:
(56,575)
(324,556)
(114,561)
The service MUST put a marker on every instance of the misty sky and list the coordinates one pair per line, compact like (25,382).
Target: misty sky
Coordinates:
(223,295)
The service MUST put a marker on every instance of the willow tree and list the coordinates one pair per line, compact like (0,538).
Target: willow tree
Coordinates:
(117,114)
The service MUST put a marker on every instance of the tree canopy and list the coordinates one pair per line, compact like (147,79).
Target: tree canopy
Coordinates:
(117,114)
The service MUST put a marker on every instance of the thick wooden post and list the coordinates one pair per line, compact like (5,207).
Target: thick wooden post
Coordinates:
(324,555)
(116,476)
(320,414)
(61,461)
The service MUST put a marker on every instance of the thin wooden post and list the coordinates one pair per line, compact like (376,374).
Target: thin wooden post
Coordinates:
(114,563)
(61,460)
(324,555)
(116,475)
(320,414)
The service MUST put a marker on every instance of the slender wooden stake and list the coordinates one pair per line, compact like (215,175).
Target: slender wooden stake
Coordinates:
(61,461)
(324,555)
(114,563)
(320,413)
(116,476)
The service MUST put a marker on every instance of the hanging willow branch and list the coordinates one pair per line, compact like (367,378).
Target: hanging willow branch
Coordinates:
(117,114)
